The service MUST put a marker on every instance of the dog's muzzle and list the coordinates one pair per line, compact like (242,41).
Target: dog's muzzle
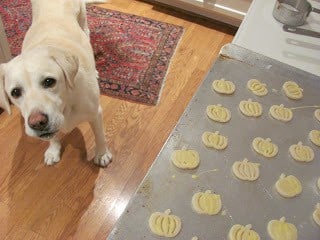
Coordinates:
(39,123)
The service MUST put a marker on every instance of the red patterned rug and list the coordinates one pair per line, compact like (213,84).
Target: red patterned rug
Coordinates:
(132,53)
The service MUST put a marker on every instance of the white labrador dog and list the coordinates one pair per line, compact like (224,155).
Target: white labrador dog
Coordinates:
(54,80)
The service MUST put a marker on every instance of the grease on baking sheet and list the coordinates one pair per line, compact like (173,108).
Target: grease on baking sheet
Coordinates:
(194,176)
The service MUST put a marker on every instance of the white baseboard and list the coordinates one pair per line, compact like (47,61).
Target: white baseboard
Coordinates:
(213,9)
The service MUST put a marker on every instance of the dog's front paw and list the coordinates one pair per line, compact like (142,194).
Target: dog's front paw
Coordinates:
(51,156)
(103,160)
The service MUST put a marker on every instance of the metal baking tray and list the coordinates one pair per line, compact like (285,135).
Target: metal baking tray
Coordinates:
(256,203)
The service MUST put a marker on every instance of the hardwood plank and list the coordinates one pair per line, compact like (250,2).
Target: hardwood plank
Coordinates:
(75,199)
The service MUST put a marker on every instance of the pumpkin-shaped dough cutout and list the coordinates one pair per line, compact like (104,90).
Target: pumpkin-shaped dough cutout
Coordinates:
(250,109)
(218,113)
(281,113)
(164,224)
(265,147)
(214,140)
(288,186)
(258,88)
(246,170)
(301,153)
(281,230)
(317,114)
(185,159)
(206,203)
(292,90)
(224,87)
(314,136)
(316,214)
(239,232)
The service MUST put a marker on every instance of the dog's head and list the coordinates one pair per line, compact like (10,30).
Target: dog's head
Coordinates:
(37,82)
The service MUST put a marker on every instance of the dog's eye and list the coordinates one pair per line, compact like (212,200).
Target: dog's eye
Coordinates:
(16,92)
(49,83)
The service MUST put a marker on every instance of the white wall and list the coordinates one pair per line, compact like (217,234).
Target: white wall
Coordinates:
(5,54)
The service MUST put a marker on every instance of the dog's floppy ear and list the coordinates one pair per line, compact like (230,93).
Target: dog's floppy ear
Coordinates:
(68,63)
(4,101)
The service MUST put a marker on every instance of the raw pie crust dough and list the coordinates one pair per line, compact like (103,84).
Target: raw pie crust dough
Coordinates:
(265,147)
(256,87)
(292,90)
(206,203)
(185,159)
(301,153)
(214,140)
(317,114)
(314,136)
(164,224)
(281,113)
(288,186)
(281,230)
(250,109)
(223,86)
(218,113)
(239,232)
(246,170)
(316,214)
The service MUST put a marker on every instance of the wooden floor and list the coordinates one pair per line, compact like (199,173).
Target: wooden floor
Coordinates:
(75,199)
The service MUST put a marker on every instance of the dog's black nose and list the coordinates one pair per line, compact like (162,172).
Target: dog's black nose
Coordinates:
(38,121)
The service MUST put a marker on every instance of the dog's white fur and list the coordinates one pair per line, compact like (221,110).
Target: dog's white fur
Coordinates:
(57,46)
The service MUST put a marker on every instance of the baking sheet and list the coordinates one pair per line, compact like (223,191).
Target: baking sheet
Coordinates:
(256,203)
